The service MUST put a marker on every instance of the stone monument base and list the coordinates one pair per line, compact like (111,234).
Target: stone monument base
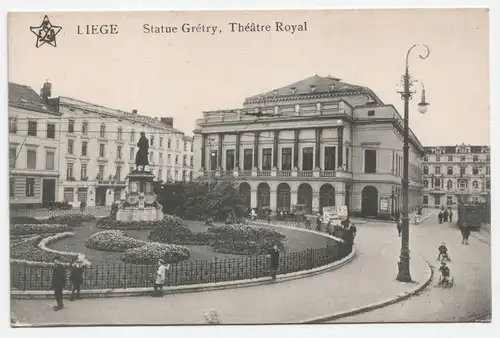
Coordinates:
(139,214)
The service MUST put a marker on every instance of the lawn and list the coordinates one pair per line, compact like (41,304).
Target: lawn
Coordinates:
(296,241)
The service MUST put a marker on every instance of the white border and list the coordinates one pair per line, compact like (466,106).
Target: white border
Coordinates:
(408,330)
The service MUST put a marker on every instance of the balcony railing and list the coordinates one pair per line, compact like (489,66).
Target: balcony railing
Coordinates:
(327,173)
(301,174)
(284,173)
(305,173)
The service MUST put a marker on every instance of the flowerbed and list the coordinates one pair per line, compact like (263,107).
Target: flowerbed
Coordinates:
(24,220)
(112,240)
(71,220)
(30,251)
(244,240)
(32,229)
(152,252)
(111,224)
(177,234)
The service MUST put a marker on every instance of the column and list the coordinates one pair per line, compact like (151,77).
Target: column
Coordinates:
(273,200)
(203,151)
(315,202)
(253,198)
(275,149)
(340,156)
(256,149)
(318,138)
(237,161)
(296,148)
(294,197)
(339,197)
(219,150)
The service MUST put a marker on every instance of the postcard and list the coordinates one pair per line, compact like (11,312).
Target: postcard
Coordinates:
(249,167)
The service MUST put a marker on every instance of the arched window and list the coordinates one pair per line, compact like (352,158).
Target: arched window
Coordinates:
(426,183)
(449,170)
(475,185)
(462,185)
(449,185)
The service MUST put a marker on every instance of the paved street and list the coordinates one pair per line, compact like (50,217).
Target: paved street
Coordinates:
(469,298)
(369,279)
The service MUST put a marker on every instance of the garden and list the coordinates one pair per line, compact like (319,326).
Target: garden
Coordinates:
(124,254)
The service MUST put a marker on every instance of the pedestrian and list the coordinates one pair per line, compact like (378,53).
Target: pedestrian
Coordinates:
(451,216)
(275,257)
(269,217)
(465,233)
(440,217)
(318,223)
(160,278)
(58,282)
(445,215)
(399,223)
(76,277)
(350,232)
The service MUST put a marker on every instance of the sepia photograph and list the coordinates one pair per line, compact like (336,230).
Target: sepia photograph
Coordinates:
(249,167)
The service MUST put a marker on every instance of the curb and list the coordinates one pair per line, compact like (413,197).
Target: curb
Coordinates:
(106,293)
(368,308)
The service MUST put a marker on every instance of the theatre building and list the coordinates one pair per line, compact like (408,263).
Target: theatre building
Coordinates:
(318,142)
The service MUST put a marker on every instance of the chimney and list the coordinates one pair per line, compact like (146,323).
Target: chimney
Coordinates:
(134,111)
(169,121)
(46,91)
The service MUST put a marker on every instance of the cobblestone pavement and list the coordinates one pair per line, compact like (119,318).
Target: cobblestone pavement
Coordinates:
(368,279)
(469,299)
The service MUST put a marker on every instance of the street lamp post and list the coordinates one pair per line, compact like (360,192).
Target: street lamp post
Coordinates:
(404,258)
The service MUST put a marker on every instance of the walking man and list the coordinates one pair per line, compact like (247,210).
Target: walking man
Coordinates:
(58,283)
(465,233)
(451,216)
(76,277)
(275,257)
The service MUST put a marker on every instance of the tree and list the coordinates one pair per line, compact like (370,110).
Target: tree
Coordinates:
(201,200)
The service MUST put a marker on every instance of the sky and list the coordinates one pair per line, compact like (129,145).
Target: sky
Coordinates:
(183,74)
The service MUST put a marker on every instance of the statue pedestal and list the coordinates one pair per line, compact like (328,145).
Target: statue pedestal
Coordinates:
(140,203)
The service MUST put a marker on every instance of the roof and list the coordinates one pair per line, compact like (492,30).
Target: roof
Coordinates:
(452,149)
(148,120)
(321,84)
(23,96)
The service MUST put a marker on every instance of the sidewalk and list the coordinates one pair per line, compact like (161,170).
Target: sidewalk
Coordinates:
(368,279)
(468,299)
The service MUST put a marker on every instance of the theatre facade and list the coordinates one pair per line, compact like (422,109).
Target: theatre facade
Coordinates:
(318,142)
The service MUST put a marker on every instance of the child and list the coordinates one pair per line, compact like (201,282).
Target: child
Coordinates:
(443,251)
(445,273)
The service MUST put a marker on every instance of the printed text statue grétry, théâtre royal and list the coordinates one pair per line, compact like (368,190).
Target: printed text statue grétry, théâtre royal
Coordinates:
(141,158)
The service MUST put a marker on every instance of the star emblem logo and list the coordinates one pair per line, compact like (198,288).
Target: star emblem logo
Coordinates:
(46,33)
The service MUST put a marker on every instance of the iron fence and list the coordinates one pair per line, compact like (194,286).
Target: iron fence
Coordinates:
(46,213)
(122,276)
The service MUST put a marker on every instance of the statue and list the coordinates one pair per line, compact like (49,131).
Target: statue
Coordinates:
(141,158)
